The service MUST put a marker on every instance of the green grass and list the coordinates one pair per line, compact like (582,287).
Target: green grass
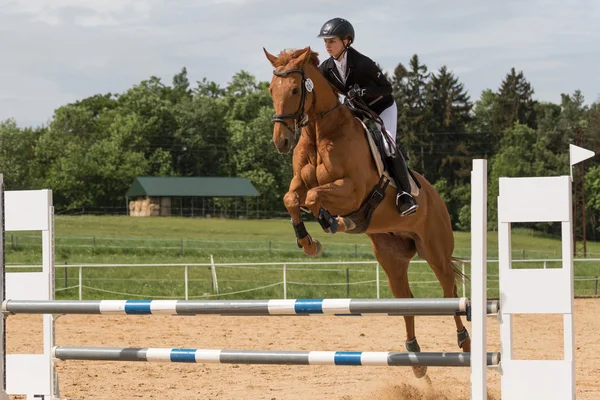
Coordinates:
(127,240)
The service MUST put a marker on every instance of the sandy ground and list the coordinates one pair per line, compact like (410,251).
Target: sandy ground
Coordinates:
(539,337)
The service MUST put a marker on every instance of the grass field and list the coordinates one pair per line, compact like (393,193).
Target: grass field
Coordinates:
(127,240)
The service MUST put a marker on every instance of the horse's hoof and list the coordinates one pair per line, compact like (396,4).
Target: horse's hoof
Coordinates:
(464,341)
(413,347)
(419,371)
(345,224)
(313,250)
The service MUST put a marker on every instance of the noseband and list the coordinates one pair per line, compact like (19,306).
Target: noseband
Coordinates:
(300,117)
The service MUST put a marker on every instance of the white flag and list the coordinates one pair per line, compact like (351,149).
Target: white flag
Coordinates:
(578,154)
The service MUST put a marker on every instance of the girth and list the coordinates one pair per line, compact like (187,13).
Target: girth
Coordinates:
(362,217)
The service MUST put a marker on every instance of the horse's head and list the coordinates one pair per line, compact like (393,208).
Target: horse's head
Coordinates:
(292,92)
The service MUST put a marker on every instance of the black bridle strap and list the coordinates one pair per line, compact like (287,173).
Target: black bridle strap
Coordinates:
(300,110)
(300,118)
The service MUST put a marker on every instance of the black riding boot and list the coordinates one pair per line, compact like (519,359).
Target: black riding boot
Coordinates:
(405,202)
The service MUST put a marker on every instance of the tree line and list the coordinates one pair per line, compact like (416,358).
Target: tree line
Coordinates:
(91,150)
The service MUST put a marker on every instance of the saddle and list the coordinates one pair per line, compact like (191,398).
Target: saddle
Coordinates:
(374,137)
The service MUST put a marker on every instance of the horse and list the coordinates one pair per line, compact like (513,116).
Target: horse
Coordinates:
(334,175)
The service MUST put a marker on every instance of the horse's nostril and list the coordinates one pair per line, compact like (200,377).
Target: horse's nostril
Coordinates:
(285,143)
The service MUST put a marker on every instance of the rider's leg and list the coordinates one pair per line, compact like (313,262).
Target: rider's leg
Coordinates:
(405,202)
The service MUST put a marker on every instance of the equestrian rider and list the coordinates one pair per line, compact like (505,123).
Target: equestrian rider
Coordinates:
(357,76)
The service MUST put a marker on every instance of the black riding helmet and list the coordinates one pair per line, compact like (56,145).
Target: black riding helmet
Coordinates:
(337,27)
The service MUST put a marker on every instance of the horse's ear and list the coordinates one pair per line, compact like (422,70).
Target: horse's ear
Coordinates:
(304,57)
(270,57)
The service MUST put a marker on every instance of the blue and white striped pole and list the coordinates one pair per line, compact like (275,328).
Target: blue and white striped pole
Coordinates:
(347,358)
(405,307)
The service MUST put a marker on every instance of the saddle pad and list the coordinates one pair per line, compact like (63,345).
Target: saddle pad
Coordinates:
(414,189)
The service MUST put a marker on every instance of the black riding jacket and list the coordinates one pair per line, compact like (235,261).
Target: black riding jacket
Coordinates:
(363,71)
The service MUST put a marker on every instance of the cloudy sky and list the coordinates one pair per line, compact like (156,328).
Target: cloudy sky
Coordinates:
(53,52)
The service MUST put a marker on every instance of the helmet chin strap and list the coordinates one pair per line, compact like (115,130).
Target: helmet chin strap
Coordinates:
(343,51)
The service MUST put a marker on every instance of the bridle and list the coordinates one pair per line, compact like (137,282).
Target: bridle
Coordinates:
(300,117)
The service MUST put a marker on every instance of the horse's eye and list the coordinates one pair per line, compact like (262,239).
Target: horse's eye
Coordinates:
(295,90)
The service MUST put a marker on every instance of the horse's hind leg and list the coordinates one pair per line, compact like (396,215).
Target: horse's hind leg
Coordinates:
(394,255)
(445,273)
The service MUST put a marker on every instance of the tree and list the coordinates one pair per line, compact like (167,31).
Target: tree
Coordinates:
(410,91)
(181,87)
(523,153)
(202,137)
(17,155)
(151,102)
(255,158)
(485,135)
(515,103)
(450,108)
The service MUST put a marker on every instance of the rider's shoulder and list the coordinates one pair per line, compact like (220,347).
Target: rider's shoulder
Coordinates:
(327,63)
(357,55)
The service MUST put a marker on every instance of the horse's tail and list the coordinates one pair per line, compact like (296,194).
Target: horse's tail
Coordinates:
(456,265)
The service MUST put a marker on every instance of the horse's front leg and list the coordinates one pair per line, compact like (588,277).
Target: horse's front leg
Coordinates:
(339,194)
(292,200)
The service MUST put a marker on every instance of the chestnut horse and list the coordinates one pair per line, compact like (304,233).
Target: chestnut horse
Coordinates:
(334,172)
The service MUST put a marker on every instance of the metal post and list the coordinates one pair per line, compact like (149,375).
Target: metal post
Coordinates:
(377,278)
(348,282)
(464,281)
(80,283)
(596,290)
(65,273)
(285,281)
(186,281)
(213,271)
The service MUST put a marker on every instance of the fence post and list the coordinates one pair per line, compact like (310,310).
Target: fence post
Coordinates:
(596,290)
(348,282)
(464,282)
(377,277)
(213,271)
(185,274)
(80,282)
(65,269)
(284,281)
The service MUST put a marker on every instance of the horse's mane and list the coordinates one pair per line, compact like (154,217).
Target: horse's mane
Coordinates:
(288,55)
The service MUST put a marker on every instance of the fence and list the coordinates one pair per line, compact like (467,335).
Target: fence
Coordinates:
(275,279)
(182,246)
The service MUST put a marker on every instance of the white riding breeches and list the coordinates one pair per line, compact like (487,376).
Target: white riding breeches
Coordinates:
(389,116)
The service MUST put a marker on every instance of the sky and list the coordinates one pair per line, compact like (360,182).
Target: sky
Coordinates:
(53,52)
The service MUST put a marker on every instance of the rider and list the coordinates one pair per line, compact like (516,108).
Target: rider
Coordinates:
(357,76)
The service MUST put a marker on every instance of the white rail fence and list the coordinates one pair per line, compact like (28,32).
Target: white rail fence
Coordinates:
(348,267)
